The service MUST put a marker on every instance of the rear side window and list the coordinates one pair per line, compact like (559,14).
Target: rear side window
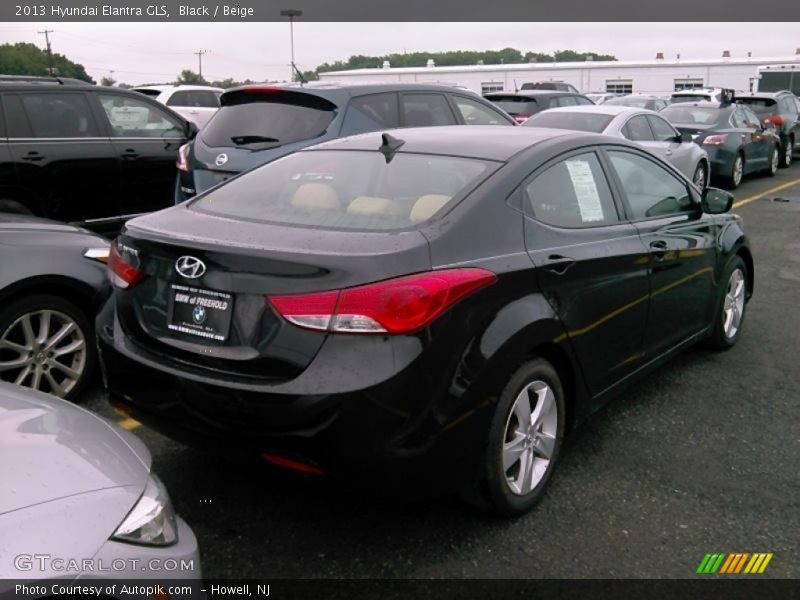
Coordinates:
(662,131)
(426,110)
(637,130)
(371,113)
(475,113)
(577,121)
(581,101)
(268,120)
(572,193)
(194,98)
(58,115)
(131,117)
(566,101)
(347,190)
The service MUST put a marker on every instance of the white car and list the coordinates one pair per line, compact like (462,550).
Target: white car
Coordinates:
(645,127)
(195,103)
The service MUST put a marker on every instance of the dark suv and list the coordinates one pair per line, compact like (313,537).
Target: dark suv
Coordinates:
(780,110)
(522,105)
(558,86)
(259,123)
(86,154)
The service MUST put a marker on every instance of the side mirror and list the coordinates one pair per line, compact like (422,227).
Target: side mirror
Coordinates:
(191,130)
(716,201)
(685,137)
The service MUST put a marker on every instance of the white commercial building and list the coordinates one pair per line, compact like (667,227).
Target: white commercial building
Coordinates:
(635,76)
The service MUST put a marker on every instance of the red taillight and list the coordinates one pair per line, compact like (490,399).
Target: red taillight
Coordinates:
(395,306)
(122,274)
(520,118)
(715,140)
(294,465)
(182,160)
(775,120)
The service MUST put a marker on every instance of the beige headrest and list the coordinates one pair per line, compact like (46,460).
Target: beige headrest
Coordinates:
(373,205)
(316,196)
(425,206)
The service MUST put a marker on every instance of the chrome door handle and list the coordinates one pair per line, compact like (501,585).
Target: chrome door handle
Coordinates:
(668,152)
(558,264)
(658,249)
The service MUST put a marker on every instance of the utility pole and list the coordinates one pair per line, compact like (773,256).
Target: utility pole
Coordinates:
(292,13)
(199,54)
(47,33)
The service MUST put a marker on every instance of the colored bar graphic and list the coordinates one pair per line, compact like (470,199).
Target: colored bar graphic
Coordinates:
(703,563)
(765,563)
(733,563)
(727,564)
(741,562)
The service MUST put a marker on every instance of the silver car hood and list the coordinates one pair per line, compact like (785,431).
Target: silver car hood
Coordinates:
(51,449)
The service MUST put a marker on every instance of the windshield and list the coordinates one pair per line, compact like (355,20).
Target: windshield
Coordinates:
(577,121)
(347,190)
(267,124)
(695,115)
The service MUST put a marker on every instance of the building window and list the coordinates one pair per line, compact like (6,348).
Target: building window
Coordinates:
(688,84)
(619,86)
(488,87)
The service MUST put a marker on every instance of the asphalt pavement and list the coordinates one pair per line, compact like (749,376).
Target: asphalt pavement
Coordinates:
(701,457)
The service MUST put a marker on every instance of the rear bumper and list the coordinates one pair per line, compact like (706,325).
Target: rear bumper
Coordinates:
(376,405)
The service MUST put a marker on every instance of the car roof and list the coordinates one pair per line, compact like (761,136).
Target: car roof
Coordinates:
(701,105)
(487,142)
(532,93)
(770,95)
(354,89)
(601,109)
(28,81)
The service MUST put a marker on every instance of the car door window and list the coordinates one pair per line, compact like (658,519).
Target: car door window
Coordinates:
(572,193)
(750,117)
(581,101)
(59,115)
(426,110)
(651,190)
(637,129)
(662,131)
(565,101)
(130,117)
(738,119)
(475,113)
(371,113)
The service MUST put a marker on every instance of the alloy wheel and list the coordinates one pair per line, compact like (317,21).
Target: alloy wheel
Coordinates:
(44,350)
(733,307)
(530,437)
(738,170)
(699,178)
(787,155)
(774,161)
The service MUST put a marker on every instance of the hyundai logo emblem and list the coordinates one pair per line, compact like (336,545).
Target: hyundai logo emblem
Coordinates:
(190,267)
(221,159)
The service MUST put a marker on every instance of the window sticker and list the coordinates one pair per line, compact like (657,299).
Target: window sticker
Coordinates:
(580,172)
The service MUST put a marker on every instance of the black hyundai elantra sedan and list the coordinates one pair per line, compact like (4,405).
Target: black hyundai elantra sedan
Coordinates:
(434,307)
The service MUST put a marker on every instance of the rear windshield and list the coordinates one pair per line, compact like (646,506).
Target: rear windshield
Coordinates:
(514,104)
(760,105)
(260,121)
(691,98)
(347,190)
(632,101)
(577,121)
(694,115)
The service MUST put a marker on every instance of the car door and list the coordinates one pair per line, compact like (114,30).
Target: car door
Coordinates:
(8,174)
(668,140)
(145,139)
(590,264)
(681,244)
(789,108)
(425,109)
(64,163)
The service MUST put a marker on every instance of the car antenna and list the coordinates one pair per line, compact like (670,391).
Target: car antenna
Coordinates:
(389,146)
(299,75)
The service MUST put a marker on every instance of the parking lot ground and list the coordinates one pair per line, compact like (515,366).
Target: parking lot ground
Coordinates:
(701,457)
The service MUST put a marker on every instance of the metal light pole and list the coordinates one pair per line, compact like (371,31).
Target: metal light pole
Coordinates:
(292,13)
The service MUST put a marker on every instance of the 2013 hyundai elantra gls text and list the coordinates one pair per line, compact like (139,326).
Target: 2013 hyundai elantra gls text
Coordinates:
(435,307)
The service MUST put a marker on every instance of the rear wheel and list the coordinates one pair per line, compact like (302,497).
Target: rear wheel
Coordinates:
(734,179)
(700,177)
(786,152)
(774,162)
(47,343)
(524,439)
(731,305)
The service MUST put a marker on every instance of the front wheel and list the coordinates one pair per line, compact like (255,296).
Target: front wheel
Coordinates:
(731,305)
(47,343)
(524,439)
(736,174)
(700,177)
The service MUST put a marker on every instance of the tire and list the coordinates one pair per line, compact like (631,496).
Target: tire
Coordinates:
(786,153)
(26,360)
(723,336)
(734,178)
(506,490)
(774,162)
(700,175)
(12,206)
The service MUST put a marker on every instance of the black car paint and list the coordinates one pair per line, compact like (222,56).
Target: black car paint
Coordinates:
(95,181)
(422,402)
(541,98)
(787,107)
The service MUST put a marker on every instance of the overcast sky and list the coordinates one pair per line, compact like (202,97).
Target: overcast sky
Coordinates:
(140,53)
